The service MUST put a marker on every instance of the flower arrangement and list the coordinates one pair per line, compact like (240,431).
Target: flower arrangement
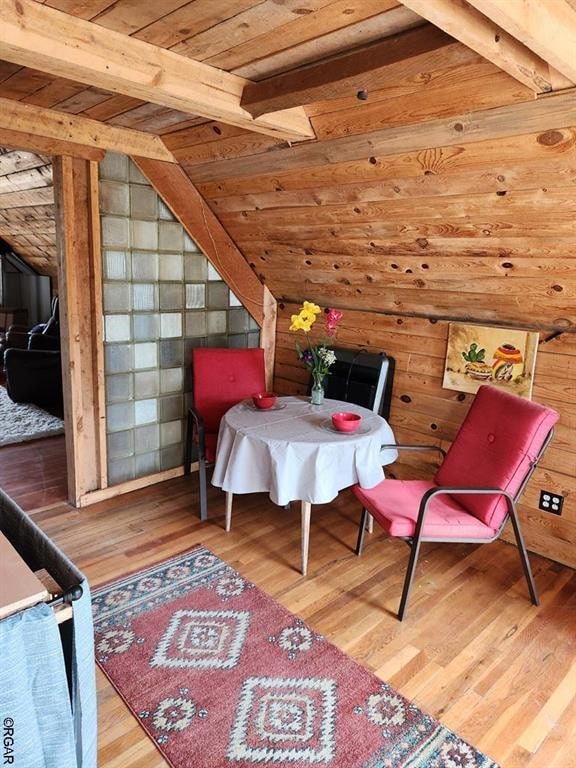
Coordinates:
(317,357)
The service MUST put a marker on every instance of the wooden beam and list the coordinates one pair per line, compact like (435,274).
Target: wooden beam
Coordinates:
(547,28)
(71,135)
(361,69)
(43,38)
(75,210)
(548,113)
(190,208)
(472,28)
(47,146)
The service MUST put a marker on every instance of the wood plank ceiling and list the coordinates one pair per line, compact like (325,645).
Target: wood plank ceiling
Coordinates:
(148,79)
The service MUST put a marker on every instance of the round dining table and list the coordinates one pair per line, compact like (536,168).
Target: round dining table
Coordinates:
(293,452)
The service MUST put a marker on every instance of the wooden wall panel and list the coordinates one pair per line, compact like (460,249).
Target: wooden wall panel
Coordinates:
(406,240)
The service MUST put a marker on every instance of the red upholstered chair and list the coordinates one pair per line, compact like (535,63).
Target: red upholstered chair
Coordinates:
(220,379)
(477,486)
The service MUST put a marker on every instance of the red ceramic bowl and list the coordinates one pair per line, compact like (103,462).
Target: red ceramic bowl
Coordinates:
(264,400)
(345,421)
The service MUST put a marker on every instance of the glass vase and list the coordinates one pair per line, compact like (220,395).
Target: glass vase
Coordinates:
(317,391)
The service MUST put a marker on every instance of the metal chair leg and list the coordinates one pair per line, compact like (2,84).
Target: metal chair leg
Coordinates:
(361,532)
(203,491)
(188,445)
(524,557)
(408,579)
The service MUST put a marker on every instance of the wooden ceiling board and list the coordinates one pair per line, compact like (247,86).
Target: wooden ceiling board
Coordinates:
(27,208)
(54,93)
(190,122)
(7,69)
(129,16)
(32,178)
(12,161)
(113,106)
(150,118)
(24,82)
(78,103)
(83,9)
(186,22)
(246,29)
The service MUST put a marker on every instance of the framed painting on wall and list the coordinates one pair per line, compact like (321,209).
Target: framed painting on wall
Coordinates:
(478,355)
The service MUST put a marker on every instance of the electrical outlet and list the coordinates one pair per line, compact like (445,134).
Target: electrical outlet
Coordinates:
(551,502)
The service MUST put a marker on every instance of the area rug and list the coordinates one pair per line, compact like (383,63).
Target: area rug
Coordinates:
(219,674)
(22,421)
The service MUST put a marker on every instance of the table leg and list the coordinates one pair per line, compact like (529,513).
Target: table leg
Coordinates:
(306,509)
(229,497)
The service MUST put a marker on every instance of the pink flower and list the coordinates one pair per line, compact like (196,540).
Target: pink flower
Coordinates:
(333,317)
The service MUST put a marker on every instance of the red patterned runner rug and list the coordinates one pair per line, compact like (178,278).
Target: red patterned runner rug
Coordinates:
(219,674)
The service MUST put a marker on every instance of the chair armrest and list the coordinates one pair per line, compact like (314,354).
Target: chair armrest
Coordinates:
(407,447)
(16,339)
(44,341)
(449,490)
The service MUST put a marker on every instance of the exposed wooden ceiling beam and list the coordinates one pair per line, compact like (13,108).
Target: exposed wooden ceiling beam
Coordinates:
(73,134)
(547,28)
(48,146)
(459,19)
(43,38)
(196,216)
(358,70)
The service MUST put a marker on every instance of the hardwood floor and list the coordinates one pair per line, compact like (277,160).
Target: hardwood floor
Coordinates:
(473,651)
(34,473)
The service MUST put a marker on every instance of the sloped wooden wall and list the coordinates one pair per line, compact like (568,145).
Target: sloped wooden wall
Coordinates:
(404,241)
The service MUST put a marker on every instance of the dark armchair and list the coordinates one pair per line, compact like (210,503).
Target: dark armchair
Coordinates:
(32,363)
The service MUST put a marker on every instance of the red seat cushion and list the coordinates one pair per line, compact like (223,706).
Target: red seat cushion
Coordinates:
(394,504)
(224,377)
(495,448)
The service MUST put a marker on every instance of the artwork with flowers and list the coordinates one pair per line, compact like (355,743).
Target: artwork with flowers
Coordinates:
(316,353)
(479,355)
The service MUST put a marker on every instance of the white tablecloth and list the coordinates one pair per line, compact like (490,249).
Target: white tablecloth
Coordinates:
(294,453)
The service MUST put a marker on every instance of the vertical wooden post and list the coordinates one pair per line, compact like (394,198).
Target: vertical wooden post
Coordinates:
(78,269)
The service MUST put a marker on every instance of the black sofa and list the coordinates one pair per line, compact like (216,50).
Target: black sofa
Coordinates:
(34,376)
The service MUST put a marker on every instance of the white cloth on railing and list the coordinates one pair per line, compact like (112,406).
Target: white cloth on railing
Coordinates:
(35,711)
(77,648)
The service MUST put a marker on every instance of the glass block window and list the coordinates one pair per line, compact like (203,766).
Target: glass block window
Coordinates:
(161,297)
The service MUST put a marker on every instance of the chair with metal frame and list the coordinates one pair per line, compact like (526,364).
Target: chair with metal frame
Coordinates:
(221,378)
(476,488)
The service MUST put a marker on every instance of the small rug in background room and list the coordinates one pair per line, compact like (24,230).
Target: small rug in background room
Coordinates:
(219,674)
(23,421)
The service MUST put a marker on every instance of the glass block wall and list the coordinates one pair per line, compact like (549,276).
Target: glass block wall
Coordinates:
(161,297)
